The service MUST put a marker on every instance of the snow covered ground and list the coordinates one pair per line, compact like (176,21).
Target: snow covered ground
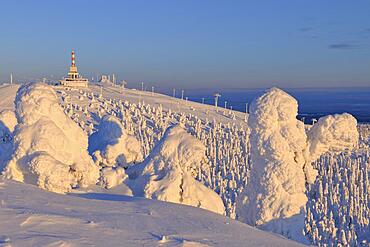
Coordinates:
(7,96)
(30,216)
(225,136)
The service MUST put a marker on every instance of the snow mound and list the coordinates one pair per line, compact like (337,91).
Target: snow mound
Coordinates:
(50,150)
(111,146)
(282,156)
(168,173)
(332,133)
(8,121)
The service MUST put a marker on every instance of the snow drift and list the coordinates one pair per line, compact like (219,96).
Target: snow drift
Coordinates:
(32,217)
(50,150)
(281,155)
(111,146)
(168,173)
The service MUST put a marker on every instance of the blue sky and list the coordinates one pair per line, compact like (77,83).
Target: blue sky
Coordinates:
(192,43)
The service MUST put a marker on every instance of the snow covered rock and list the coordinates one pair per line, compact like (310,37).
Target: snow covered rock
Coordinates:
(282,156)
(111,146)
(8,121)
(168,173)
(50,150)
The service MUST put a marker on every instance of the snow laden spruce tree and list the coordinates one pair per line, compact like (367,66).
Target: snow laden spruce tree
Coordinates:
(282,155)
(113,150)
(50,150)
(112,146)
(168,173)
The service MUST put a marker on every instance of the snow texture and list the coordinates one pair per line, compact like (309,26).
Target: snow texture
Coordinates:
(332,133)
(8,121)
(168,173)
(341,190)
(281,155)
(50,150)
(338,209)
(277,182)
(112,176)
(33,217)
(111,146)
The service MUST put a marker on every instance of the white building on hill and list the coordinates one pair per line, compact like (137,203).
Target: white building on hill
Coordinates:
(74,79)
(105,79)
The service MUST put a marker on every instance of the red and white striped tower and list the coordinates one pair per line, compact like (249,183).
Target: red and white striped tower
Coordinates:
(73,73)
(73,59)
(74,79)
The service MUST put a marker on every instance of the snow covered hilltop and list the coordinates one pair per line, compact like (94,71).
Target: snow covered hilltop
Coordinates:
(273,172)
(74,79)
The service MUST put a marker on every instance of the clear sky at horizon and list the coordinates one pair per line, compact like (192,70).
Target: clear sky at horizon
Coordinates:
(191,44)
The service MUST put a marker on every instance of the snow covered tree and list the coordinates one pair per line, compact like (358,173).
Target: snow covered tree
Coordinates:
(282,156)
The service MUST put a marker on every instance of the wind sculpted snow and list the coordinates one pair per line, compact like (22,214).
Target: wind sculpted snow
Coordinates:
(340,190)
(111,146)
(33,217)
(332,133)
(278,140)
(168,173)
(50,150)
(282,155)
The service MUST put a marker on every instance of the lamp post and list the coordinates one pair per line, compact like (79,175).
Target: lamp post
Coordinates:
(123,85)
(246,112)
(216,95)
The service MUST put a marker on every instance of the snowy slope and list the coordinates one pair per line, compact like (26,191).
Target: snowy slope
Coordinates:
(7,93)
(226,137)
(174,104)
(33,217)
